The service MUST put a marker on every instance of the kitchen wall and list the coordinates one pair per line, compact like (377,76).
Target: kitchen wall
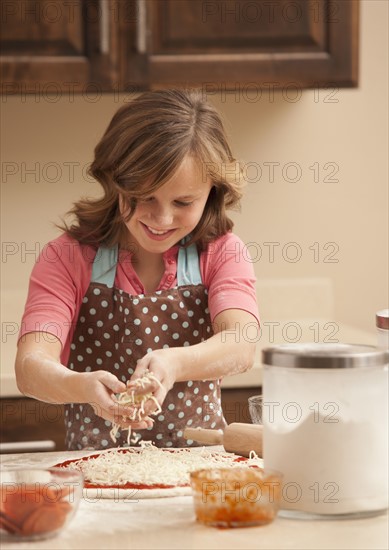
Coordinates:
(316,205)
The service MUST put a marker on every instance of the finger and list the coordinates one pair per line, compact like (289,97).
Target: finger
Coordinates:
(111,382)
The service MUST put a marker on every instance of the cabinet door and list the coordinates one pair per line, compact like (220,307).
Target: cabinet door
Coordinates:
(228,43)
(56,47)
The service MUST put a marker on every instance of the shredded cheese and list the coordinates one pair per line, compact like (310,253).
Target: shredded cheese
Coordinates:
(138,402)
(151,465)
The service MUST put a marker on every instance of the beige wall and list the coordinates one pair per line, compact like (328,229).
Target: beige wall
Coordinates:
(57,137)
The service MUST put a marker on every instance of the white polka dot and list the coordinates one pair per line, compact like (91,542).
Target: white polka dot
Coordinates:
(99,361)
(171,407)
(190,313)
(96,291)
(161,418)
(149,350)
(99,324)
(188,402)
(181,414)
(106,335)
(97,343)
(104,443)
(213,424)
(82,319)
(199,410)
(158,436)
(169,444)
(110,316)
(80,358)
(92,311)
(84,300)
(153,299)
(127,332)
(88,369)
(148,330)
(186,293)
(170,426)
(196,391)
(164,327)
(96,431)
(135,301)
(72,346)
(206,418)
(163,307)
(198,301)
(190,422)
(189,383)
(186,344)
(175,336)
(182,305)
(129,351)
(137,322)
(115,328)
(90,330)
(180,394)
(174,315)
(205,397)
(87,420)
(196,333)
(80,338)
(108,353)
(155,318)
(138,342)
(185,324)
(145,310)
(201,321)
(156,338)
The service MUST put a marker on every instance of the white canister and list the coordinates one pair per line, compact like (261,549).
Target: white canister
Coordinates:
(325,427)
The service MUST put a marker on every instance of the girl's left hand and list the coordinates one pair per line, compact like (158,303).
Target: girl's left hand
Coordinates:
(161,364)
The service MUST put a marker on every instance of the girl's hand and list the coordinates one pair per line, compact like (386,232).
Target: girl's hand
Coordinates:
(162,365)
(99,389)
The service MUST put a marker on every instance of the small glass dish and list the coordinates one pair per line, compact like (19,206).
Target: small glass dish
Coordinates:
(255,409)
(37,503)
(236,497)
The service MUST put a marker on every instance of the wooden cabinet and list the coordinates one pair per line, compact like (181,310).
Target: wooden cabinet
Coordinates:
(24,419)
(235,404)
(129,45)
(59,47)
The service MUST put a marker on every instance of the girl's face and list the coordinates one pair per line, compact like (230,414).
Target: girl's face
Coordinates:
(171,212)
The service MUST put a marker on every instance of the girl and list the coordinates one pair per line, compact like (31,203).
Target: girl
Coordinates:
(147,278)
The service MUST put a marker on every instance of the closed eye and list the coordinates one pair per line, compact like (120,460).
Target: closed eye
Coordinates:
(183,203)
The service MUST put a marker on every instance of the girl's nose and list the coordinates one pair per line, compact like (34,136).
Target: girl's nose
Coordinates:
(163,216)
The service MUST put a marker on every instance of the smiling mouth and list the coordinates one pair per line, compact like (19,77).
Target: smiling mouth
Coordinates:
(157,233)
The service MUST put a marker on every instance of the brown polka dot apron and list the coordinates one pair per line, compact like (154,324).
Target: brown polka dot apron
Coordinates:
(115,329)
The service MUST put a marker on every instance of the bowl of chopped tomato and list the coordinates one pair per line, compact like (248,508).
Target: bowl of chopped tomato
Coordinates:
(37,503)
(236,497)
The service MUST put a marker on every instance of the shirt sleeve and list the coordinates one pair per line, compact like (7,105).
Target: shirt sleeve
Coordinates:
(228,273)
(57,285)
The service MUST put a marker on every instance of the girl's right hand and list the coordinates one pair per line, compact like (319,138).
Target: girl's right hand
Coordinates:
(99,390)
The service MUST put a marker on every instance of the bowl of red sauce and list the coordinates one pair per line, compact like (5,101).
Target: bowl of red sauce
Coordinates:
(236,497)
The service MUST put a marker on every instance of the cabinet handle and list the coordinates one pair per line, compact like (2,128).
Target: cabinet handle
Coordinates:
(27,446)
(104,27)
(141,44)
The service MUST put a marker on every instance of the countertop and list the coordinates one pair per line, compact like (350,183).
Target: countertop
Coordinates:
(169,523)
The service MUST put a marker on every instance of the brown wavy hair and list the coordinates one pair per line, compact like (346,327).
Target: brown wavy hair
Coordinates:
(143,146)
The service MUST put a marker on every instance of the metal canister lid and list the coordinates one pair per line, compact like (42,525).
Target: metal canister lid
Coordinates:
(325,356)
(382,319)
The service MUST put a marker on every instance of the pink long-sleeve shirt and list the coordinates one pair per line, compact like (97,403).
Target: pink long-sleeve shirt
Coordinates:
(62,274)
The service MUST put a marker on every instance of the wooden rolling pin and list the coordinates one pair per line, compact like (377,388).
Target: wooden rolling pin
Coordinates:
(238,438)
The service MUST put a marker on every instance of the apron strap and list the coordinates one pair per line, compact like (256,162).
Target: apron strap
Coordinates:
(188,266)
(104,266)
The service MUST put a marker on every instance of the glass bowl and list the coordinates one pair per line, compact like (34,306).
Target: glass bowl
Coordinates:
(255,409)
(236,497)
(37,503)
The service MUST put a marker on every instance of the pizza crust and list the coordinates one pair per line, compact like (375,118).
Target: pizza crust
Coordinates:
(133,495)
